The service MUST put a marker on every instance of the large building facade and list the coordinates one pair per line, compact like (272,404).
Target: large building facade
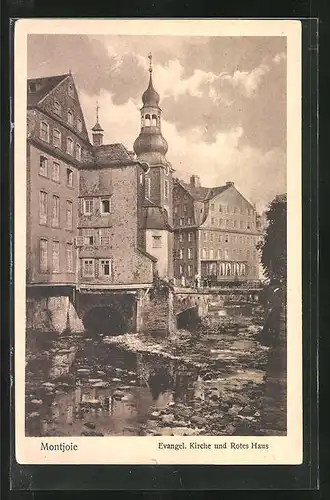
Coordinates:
(215,233)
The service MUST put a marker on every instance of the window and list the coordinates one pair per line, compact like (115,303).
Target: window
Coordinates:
(78,151)
(176,209)
(79,125)
(44,131)
(227,223)
(180,269)
(147,121)
(226,254)
(70,117)
(181,237)
(212,206)
(235,223)
(226,238)
(56,171)
(234,253)
(154,120)
(43,255)
(181,221)
(205,236)
(204,253)
(57,142)
(219,254)
(220,238)
(43,166)
(57,108)
(88,237)
(185,208)
(240,240)
(56,257)
(212,221)
(43,207)
(70,90)
(248,254)
(147,187)
(88,207)
(141,178)
(211,236)
(220,208)
(69,257)
(69,177)
(181,253)
(190,236)
(69,214)
(156,242)
(190,270)
(69,145)
(189,220)
(211,253)
(235,210)
(105,236)
(220,222)
(190,253)
(105,268)
(56,211)
(88,267)
(105,205)
(166,188)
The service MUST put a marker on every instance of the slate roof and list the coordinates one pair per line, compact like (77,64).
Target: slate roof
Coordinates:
(111,153)
(43,87)
(203,193)
(155,218)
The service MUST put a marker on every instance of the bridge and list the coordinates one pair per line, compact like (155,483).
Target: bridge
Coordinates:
(137,308)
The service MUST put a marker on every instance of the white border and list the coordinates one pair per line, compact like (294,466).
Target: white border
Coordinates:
(144,450)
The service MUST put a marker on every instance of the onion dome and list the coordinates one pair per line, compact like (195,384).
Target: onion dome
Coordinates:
(150,97)
(147,143)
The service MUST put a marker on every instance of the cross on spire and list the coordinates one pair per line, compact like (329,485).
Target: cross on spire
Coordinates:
(150,61)
(97,111)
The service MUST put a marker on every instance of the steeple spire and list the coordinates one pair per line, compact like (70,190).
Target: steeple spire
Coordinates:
(150,62)
(97,129)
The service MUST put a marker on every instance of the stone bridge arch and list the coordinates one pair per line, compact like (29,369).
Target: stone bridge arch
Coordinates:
(107,313)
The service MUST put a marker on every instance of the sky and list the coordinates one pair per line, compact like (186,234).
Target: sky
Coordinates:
(223,99)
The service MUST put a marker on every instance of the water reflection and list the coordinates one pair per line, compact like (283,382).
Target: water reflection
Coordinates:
(95,389)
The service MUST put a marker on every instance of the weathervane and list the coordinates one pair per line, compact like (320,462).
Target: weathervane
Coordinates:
(150,62)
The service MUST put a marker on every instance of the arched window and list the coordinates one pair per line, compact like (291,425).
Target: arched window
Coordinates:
(147,121)
(154,121)
(78,151)
(204,253)
(44,131)
(56,138)
(211,253)
(69,145)
(70,117)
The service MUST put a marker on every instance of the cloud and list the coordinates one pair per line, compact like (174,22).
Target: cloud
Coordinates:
(258,175)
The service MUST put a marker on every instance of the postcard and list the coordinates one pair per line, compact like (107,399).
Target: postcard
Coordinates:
(158,241)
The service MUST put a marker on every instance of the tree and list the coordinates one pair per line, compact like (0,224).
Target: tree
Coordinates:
(273,247)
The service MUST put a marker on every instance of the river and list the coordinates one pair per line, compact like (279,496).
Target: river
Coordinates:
(207,382)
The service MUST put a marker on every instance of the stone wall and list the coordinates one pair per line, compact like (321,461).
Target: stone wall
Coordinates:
(156,314)
(54,313)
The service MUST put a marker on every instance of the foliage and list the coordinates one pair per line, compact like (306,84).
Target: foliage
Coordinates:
(160,287)
(273,247)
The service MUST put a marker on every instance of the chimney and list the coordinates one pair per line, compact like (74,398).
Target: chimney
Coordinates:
(195,181)
(229,183)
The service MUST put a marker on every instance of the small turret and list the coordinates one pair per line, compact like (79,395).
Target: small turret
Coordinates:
(97,130)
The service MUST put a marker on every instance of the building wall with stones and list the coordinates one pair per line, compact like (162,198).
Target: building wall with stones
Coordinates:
(111,237)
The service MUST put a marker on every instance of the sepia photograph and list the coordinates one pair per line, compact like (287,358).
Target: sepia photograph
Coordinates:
(155,243)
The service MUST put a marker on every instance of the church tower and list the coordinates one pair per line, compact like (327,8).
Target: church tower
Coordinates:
(97,130)
(150,147)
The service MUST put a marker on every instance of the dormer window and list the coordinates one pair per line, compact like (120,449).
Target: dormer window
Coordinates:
(44,131)
(57,108)
(70,117)
(79,125)
(70,90)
